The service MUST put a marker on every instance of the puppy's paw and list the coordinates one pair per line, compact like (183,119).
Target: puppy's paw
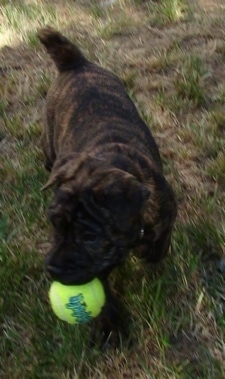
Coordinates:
(112,328)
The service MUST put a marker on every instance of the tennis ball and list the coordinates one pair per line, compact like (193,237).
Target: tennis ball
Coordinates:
(77,304)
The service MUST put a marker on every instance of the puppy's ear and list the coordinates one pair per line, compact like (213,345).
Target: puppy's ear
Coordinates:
(63,170)
(122,194)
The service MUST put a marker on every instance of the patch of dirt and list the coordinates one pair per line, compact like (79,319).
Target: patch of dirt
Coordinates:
(211,5)
(7,148)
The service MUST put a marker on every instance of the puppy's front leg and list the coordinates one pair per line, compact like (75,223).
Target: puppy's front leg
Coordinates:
(113,324)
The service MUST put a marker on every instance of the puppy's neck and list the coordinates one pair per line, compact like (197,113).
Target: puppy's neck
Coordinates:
(129,159)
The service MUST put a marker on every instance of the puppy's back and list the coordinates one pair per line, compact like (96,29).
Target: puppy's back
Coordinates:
(88,105)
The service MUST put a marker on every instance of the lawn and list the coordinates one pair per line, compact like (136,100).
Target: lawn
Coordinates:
(170,55)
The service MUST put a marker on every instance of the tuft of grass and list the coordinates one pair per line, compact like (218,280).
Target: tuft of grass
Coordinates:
(216,168)
(172,10)
(31,39)
(169,11)
(43,84)
(97,11)
(217,120)
(189,82)
(111,27)
(19,16)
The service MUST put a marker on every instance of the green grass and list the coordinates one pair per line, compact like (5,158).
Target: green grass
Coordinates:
(175,74)
(169,11)
(16,14)
(190,80)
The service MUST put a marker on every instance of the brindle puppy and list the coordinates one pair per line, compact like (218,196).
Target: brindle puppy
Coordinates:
(110,193)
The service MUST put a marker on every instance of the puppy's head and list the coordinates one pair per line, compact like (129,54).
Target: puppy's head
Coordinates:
(96,216)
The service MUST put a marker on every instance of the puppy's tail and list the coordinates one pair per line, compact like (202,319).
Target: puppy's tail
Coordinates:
(64,53)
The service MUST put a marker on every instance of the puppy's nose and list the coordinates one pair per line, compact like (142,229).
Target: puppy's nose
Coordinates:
(54,270)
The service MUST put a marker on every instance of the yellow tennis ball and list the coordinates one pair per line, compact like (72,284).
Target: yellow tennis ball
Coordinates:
(77,304)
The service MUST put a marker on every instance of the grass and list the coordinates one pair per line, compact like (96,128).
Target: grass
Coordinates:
(170,56)
(190,80)
(169,11)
